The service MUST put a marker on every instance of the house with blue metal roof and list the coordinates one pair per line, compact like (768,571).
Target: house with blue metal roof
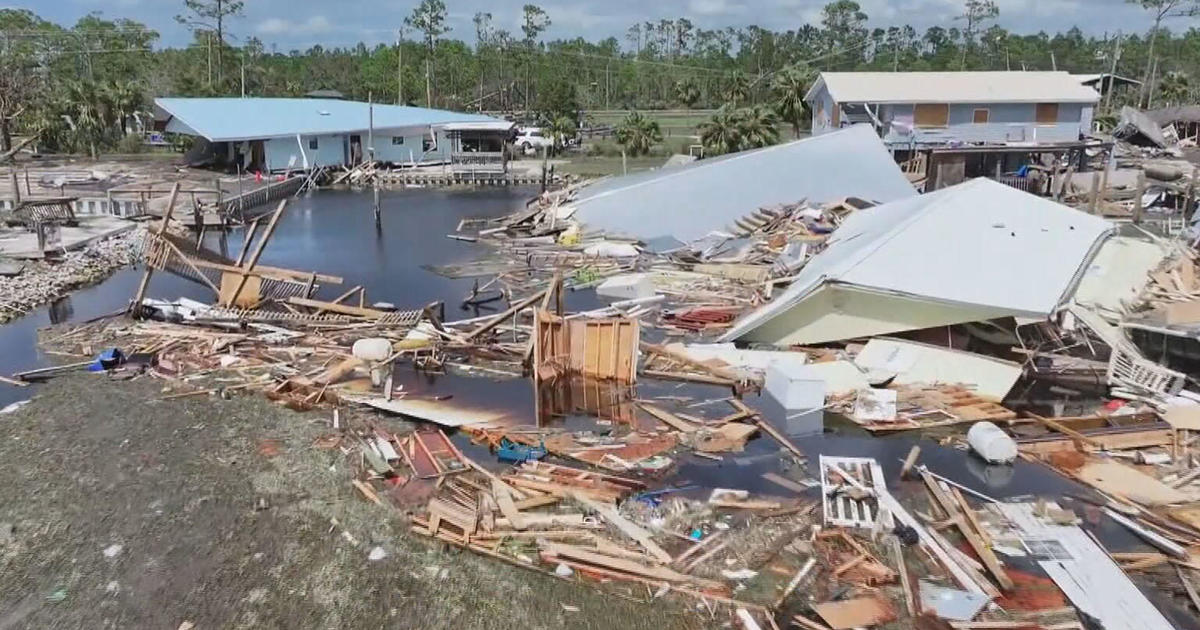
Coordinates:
(301,134)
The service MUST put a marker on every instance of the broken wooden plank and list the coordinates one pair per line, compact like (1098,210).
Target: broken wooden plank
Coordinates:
(627,527)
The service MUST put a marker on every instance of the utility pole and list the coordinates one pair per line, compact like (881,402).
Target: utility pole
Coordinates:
(400,67)
(1112,72)
(243,74)
(208,38)
(371,154)
(1053,63)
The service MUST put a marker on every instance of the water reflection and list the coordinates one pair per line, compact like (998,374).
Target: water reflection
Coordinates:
(60,310)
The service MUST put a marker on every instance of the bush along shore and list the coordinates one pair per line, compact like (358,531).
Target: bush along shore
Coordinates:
(41,282)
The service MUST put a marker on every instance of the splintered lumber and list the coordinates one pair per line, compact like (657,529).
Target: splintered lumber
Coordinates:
(627,527)
(963,517)
(902,568)
(1188,586)
(668,418)
(258,250)
(795,581)
(505,502)
(136,306)
(1076,436)
(747,620)
(626,566)
(779,437)
(502,317)
(785,482)
(344,309)
(707,542)
(910,461)
(367,492)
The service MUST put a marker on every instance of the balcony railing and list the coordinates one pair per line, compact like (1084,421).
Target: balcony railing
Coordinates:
(478,162)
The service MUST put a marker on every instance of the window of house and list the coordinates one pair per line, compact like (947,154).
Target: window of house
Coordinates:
(312,144)
(1046,114)
(397,140)
(428,144)
(981,116)
(931,115)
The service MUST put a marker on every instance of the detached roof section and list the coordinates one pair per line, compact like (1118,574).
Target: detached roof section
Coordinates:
(236,119)
(689,201)
(976,251)
(954,87)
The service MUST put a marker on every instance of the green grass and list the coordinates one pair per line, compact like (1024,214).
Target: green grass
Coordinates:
(602,166)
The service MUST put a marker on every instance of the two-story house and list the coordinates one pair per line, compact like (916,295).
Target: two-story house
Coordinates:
(919,110)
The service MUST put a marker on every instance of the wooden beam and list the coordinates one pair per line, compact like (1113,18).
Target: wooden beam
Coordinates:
(779,437)
(135,308)
(344,309)
(258,250)
(1067,431)
(339,299)
(246,243)
(502,317)
(627,527)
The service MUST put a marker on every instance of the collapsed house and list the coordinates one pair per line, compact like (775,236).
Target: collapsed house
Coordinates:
(974,252)
(688,202)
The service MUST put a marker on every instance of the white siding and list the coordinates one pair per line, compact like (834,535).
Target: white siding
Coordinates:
(288,153)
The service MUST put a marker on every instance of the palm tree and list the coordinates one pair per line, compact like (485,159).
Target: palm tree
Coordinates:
(127,100)
(687,92)
(759,127)
(636,134)
(1174,88)
(789,87)
(90,113)
(738,89)
(722,133)
(560,129)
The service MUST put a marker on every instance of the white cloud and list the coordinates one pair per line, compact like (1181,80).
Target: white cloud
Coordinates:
(712,7)
(279,26)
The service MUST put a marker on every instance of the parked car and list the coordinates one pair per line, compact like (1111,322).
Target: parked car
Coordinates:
(533,138)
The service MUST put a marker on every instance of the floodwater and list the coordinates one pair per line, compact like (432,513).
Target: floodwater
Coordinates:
(334,232)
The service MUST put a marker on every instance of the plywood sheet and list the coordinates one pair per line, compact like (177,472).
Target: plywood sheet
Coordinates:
(1179,313)
(1116,478)
(1183,417)
(250,294)
(856,613)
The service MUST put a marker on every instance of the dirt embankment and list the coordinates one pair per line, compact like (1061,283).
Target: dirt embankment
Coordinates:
(42,282)
(119,510)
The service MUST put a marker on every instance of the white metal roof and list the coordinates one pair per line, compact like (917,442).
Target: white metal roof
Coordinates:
(690,200)
(237,119)
(954,87)
(980,243)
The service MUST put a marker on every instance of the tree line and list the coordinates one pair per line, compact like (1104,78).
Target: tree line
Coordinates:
(82,87)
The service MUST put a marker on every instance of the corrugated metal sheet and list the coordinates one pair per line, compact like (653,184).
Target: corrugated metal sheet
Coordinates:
(978,244)
(691,200)
(235,119)
(954,87)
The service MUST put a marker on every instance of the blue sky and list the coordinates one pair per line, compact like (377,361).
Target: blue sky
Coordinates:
(289,24)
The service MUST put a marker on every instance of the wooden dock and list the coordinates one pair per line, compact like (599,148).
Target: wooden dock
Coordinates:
(404,178)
